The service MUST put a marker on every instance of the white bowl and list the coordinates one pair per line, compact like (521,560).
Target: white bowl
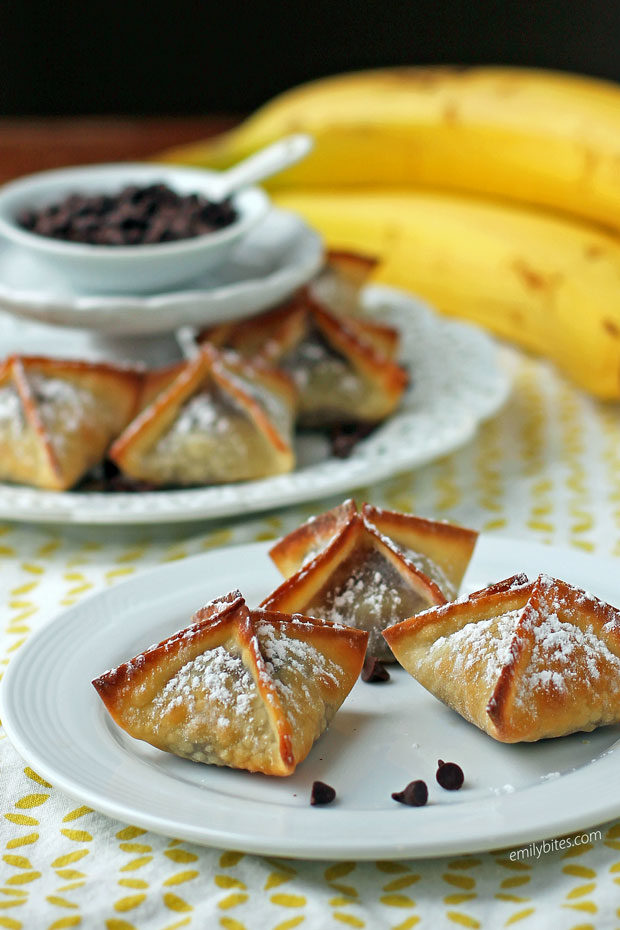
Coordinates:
(278,255)
(135,269)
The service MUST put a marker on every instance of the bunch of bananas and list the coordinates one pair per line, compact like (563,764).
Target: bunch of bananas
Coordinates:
(492,192)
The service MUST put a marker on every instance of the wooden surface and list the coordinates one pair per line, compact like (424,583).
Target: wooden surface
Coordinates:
(28,145)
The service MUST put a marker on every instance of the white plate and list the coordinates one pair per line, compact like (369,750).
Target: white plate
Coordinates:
(279,255)
(456,383)
(383,737)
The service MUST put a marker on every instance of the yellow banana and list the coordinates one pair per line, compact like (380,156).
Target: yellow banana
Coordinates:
(537,137)
(550,284)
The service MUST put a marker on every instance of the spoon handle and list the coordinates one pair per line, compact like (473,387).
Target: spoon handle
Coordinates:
(265,163)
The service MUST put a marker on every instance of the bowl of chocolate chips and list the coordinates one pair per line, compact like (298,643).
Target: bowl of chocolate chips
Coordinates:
(128,228)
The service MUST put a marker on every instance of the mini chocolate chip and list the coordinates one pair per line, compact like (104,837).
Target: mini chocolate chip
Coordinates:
(449,775)
(374,670)
(110,236)
(322,793)
(415,794)
(154,213)
(27,219)
(345,436)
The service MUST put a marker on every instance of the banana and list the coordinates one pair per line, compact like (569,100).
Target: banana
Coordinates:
(537,137)
(492,192)
(550,284)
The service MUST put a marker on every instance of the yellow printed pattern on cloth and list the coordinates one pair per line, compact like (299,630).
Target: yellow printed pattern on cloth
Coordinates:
(547,468)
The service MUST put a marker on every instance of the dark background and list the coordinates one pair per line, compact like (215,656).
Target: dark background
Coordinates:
(183,57)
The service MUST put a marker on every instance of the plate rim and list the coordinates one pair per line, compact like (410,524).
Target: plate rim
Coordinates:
(507,807)
(184,505)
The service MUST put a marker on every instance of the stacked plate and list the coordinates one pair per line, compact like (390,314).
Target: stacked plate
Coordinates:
(456,381)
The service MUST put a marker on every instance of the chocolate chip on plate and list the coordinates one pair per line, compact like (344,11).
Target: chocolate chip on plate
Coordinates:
(345,436)
(322,793)
(449,775)
(415,794)
(374,670)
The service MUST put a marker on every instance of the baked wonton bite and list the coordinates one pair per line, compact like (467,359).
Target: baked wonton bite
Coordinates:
(342,366)
(58,417)
(213,419)
(369,569)
(249,689)
(521,660)
(338,284)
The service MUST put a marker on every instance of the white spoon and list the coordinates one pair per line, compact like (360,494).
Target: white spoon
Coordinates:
(263,164)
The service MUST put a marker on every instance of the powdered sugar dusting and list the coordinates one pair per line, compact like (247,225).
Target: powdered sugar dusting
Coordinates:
(303,676)
(311,554)
(11,410)
(211,711)
(432,570)
(366,587)
(202,412)
(419,560)
(275,405)
(64,406)
(219,674)
(579,599)
(56,397)
(573,651)
(562,652)
(287,652)
(367,592)
(316,367)
(212,439)
(483,646)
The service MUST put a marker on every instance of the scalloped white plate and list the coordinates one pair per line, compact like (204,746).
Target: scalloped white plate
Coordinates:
(456,384)
(383,737)
(279,255)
